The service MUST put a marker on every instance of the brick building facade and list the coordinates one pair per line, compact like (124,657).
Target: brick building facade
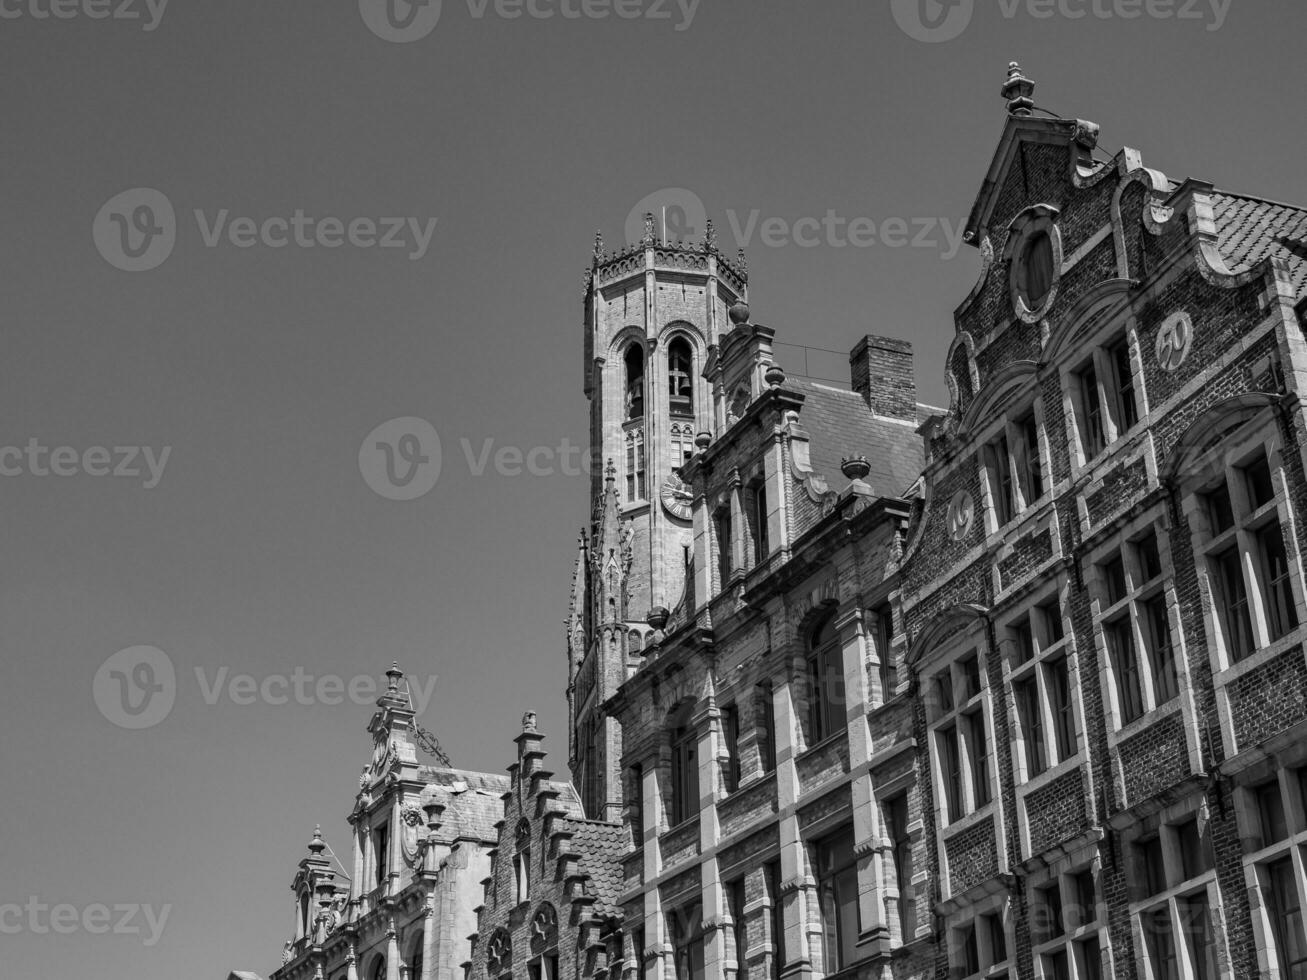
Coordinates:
(857,686)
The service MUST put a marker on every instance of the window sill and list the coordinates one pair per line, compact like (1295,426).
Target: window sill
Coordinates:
(1051,775)
(826,742)
(961,824)
(1259,659)
(1144,721)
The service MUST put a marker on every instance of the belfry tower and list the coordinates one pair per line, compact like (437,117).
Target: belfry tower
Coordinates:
(653,313)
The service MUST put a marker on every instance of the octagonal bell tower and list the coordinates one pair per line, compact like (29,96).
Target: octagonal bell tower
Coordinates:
(653,311)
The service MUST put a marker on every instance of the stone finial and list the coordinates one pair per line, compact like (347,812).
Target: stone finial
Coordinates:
(317,845)
(739,313)
(658,617)
(775,375)
(650,230)
(599,245)
(529,722)
(610,472)
(743,262)
(1018,90)
(856,467)
(703,440)
(710,237)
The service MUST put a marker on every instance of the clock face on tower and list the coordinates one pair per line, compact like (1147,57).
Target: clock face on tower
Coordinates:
(676,498)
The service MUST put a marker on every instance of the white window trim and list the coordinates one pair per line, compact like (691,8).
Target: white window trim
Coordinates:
(992,905)
(1177,888)
(1095,348)
(1121,544)
(1062,873)
(1021,509)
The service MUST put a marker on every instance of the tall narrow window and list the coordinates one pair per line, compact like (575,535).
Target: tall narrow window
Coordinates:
(687,942)
(765,726)
(725,561)
(1030,714)
(1057,681)
(837,889)
(1094,435)
(777,917)
(884,637)
(951,760)
(680,380)
(758,521)
(1030,473)
(1127,412)
(634,381)
(731,737)
(636,486)
(381,853)
(895,812)
(1277,594)
(522,862)
(1285,910)
(685,775)
(739,930)
(826,710)
(1125,666)
(978,756)
(998,460)
(1232,605)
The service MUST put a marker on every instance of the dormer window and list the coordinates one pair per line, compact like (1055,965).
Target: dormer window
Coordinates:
(679,377)
(634,381)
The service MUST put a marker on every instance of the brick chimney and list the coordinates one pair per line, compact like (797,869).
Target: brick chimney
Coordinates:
(881,369)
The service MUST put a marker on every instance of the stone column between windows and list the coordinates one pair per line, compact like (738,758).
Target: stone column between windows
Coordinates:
(796,883)
(738,529)
(712,895)
(392,950)
(703,555)
(850,623)
(396,845)
(368,881)
(777,502)
(654,934)
(429,935)
(357,886)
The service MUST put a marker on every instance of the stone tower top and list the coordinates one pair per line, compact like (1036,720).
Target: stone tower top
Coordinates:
(1018,90)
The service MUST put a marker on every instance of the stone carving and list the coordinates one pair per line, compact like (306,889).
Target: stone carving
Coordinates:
(961,511)
(1174,338)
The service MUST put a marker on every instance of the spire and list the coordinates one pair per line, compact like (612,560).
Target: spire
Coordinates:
(650,231)
(710,237)
(599,245)
(1018,90)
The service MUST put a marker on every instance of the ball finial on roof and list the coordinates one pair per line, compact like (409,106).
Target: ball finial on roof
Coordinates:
(739,313)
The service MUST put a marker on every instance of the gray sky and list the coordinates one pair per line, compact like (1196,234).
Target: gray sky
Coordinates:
(261,549)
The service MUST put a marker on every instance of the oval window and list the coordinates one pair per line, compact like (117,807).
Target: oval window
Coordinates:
(1035,273)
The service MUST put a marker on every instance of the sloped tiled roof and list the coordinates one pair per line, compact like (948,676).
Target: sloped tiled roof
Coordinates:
(1250,230)
(601,846)
(840,424)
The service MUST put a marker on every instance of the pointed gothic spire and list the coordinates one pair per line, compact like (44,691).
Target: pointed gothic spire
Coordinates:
(599,245)
(650,231)
(710,237)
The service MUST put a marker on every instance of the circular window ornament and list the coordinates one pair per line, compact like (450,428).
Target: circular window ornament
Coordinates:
(1034,254)
(1174,338)
(961,511)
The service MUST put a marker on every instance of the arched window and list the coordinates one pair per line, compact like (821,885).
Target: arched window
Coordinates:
(826,714)
(415,961)
(378,969)
(725,544)
(757,514)
(522,862)
(680,377)
(304,914)
(682,443)
(635,381)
